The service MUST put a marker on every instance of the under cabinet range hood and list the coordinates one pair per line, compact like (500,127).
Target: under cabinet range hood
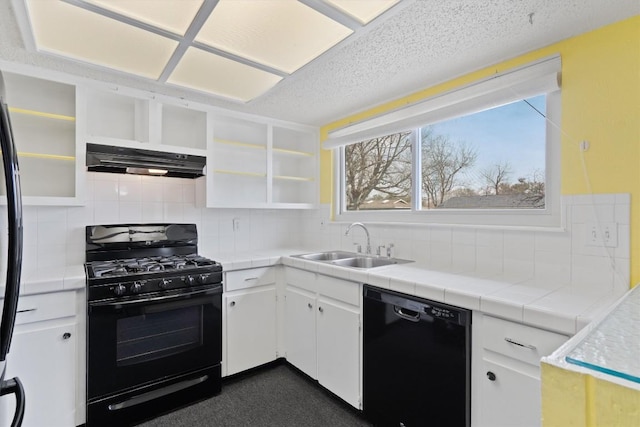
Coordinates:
(106,158)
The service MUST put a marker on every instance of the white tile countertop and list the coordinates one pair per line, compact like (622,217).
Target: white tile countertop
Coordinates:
(51,280)
(559,307)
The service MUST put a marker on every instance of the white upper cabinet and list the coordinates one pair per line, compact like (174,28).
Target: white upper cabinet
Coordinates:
(237,169)
(122,117)
(43,117)
(257,163)
(295,161)
(252,161)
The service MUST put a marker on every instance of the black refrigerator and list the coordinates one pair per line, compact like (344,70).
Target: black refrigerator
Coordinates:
(13,259)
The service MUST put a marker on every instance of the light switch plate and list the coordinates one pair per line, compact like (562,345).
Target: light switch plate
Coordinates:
(601,234)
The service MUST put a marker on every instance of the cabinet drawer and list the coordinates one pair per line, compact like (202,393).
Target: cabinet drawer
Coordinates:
(243,279)
(36,308)
(518,341)
(301,279)
(339,289)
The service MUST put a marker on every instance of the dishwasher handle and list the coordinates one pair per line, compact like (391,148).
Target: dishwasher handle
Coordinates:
(410,315)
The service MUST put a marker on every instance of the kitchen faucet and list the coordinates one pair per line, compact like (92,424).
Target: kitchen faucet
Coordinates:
(359,224)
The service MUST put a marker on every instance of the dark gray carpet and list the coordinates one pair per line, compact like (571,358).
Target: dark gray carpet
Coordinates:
(277,396)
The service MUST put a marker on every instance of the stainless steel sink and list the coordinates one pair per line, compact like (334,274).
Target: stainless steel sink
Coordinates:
(367,262)
(327,256)
(351,259)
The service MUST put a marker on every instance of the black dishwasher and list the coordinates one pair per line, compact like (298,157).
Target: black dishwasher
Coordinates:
(417,361)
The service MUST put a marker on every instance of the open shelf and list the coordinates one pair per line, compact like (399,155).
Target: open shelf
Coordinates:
(183,127)
(293,152)
(294,178)
(261,164)
(239,144)
(43,119)
(232,172)
(47,156)
(43,114)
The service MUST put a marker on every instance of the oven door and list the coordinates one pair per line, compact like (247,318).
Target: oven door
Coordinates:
(136,342)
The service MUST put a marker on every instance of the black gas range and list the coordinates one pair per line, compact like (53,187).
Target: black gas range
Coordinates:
(130,277)
(154,326)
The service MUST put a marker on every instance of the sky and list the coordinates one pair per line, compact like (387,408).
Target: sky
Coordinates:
(514,133)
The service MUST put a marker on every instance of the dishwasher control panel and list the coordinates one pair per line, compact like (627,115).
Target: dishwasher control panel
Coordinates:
(440,312)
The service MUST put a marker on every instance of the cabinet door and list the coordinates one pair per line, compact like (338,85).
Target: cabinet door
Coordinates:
(44,360)
(510,396)
(300,331)
(338,329)
(251,329)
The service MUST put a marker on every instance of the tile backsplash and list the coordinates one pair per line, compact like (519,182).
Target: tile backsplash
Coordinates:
(54,236)
(543,257)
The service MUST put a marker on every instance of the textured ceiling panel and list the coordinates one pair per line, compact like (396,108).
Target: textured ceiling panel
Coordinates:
(68,30)
(207,72)
(364,11)
(284,35)
(169,15)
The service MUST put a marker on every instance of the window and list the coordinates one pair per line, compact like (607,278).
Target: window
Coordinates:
(494,159)
(378,173)
(488,158)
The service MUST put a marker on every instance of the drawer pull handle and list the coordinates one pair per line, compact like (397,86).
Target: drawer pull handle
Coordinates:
(248,279)
(26,310)
(491,376)
(529,346)
(66,336)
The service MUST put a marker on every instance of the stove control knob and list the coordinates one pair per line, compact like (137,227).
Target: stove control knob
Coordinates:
(136,287)
(164,283)
(119,289)
(202,279)
(189,280)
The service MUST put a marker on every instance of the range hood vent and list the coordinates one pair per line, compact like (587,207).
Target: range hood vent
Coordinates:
(105,158)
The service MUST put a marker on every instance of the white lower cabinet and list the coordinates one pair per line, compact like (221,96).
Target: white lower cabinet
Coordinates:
(300,326)
(322,331)
(43,356)
(250,320)
(507,371)
(338,335)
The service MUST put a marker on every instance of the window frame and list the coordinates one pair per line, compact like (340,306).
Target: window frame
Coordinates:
(548,217)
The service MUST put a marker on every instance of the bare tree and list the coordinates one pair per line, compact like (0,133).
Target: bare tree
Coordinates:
(463,192)
(442,161)
(379,165)
(496,177)
(532,188)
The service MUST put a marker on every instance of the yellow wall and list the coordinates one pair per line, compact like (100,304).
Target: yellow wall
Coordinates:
(574,399)
(600,103)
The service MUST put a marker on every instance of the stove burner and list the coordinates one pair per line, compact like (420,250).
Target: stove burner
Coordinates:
(124,267)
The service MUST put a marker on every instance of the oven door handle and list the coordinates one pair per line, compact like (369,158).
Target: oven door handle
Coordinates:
(159,298)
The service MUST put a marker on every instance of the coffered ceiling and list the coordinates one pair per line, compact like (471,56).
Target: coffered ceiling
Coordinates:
(309,61)
(235,49)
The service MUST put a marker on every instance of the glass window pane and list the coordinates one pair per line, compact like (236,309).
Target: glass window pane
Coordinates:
(494,159)
(378,173)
